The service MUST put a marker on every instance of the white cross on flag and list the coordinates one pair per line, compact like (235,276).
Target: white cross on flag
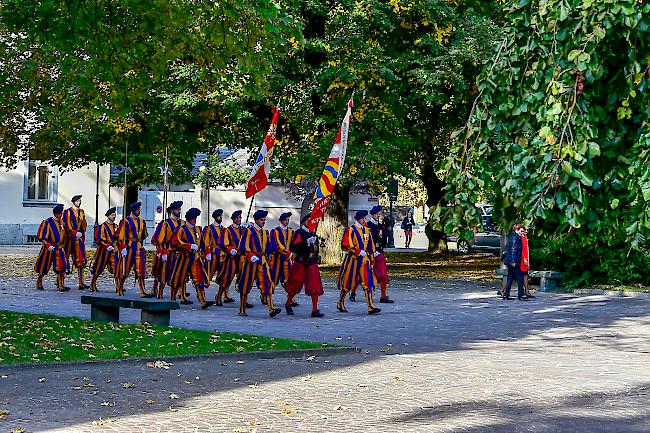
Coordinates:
(262,167)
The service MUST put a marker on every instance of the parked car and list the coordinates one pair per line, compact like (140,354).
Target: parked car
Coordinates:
(487,240)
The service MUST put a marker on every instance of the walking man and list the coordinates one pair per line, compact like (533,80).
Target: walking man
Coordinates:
(74,222)
(281,258)
(211,240)
(357,265)
(232,265)
(255,246)
(189,262)
(164,258)
(131,235)
(305,271)
(106,254)
(52,234)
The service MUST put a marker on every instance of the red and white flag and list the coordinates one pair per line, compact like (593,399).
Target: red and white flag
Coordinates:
(331,172)
(262,167)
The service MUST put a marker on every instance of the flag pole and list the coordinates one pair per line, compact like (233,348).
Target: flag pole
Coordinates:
(165,180)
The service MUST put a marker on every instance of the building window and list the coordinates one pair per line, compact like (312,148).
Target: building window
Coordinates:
(40,182)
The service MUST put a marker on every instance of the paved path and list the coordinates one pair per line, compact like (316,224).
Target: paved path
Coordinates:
(448,357)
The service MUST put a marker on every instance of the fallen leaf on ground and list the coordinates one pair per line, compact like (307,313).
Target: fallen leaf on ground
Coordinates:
(150,402)
(18,430)
(311,358)
(101,421)
(173,396)
(3,413)
(240,362)
(128,385)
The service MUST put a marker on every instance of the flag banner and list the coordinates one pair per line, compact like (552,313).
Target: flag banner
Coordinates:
(331,172)
(262,167)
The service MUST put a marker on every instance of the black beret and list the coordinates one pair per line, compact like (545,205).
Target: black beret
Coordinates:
(110,211)
(192,213)
(260,214)
(217,212)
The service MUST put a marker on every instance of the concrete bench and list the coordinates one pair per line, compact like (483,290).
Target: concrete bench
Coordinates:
(107,308)
(549,281)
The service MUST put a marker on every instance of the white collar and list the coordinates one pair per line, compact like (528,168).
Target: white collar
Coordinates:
(189,225)
(216,224)
(258,227)
(78,208)
(236,225)
(357,224)
(174,217)
(134,216)
(304,227)
(372,220)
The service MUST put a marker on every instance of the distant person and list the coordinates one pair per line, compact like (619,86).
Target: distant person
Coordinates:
(513,259)
(407,226)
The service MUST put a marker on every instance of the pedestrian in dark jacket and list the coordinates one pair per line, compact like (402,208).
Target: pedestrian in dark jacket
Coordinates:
(407,226)
(512,259)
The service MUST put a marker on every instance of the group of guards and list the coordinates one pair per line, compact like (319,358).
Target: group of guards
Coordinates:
(246,253)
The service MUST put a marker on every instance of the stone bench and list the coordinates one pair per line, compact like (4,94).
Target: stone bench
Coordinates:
(107,308)
(549,281)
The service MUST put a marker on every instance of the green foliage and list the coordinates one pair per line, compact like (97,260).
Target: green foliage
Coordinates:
(152,73)
(592,261)
(559,132)
(219,172)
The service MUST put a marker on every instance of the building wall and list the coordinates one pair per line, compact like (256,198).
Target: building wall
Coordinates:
(20,219)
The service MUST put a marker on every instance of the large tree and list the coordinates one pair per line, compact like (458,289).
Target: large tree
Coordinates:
(559,134)
(413,66)
(93,76)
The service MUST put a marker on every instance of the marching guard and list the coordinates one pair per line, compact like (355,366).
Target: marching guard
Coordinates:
(357,265)
(305,271)
(130,235)
(52,234)
(106,254)
(232,264)
(379,237)
(255,245)
(281,257)
(74,222)
(189,262)
(161,239)
(214,257)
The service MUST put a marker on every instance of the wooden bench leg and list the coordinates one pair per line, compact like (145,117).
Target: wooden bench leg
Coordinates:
(104,314)
(160,318)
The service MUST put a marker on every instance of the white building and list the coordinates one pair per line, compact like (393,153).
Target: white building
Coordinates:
(29,192)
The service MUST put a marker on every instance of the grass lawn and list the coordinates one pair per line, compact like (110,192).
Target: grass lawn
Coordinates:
(47,338)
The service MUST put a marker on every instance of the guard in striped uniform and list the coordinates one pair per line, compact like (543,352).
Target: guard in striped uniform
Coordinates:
(255,245)
(106,254)
(357,265)
(305,270)
(281,258)
(211,237)
(52,255)
(189,262)
(164,258)
(379,237)
(74,222)
(232,264)
(131,235)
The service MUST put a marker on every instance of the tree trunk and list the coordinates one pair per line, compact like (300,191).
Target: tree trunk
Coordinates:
(330,230)
(434,187)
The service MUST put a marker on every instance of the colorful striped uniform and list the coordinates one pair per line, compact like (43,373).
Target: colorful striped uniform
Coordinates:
(51,233)
(188,263)
(211,242)
(280,259)
(105,236)
(162,239)
(74,220)
(131,233)
(255,242)
(356,269)
(230,240)
(379,234)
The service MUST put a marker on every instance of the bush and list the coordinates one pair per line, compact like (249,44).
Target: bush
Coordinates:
(586,262)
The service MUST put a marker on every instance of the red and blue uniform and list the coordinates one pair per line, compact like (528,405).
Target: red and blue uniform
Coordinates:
(131,234)
(189,263)
(105,238)
(74,221)
(163,262)
(356,267)
(255,242)
(232,265)
(281,261)
(52,234)
(211,241)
